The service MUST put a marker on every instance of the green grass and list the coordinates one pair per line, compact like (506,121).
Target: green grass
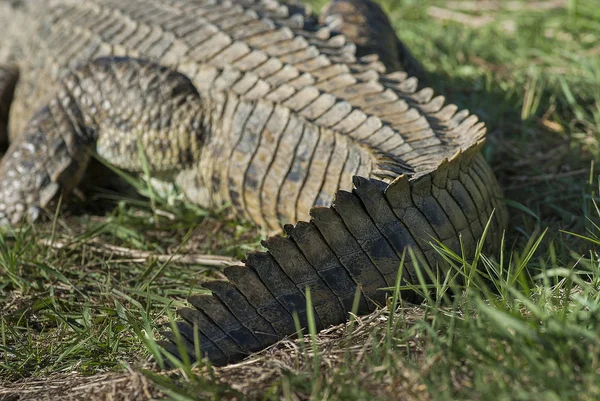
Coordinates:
(524,323)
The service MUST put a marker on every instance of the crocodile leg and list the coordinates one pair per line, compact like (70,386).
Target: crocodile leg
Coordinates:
(112,106)
(365,24)
(8,81)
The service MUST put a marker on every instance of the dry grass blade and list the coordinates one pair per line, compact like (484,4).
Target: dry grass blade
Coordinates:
(462,18)
(486,5)
(123,386)
(134,255)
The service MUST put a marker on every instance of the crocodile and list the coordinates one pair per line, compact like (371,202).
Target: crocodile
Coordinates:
(314,126)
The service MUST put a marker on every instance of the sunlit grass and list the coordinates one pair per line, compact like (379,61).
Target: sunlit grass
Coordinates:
(516,320)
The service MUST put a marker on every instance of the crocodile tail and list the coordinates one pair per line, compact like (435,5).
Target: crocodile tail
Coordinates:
(353,247)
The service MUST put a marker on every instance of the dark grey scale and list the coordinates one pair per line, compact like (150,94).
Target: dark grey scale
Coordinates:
(244,150)
(262,158)
(243,311)
(316,171)
(366,234)
(222,317)
(301,272)
(459,208)
(259,296)
(480,198)
(480,173)
(297,174)
(197,318)
(466,200)
(399,197)
(316,251)
(279,168)
(207,347)
(335,167)
(399,236)
(172,349)
(282,288)
(350,255)
(457,216)
(433,212)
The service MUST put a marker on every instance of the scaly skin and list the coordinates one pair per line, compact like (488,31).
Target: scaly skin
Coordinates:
(258,105)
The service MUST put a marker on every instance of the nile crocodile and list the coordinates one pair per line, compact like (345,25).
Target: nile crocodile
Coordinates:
(287,117)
